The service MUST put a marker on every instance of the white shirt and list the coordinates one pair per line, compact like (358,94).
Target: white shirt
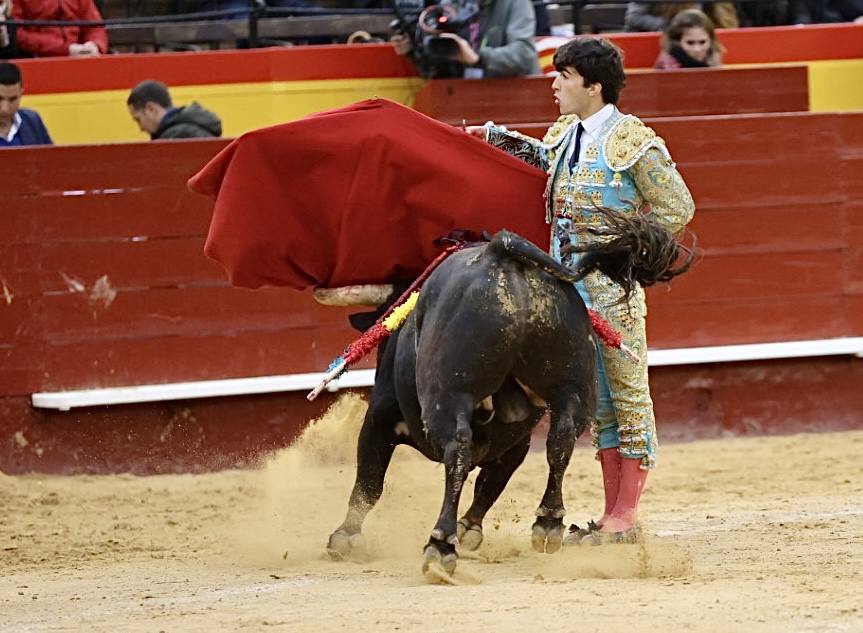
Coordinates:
(13,129)
(592,125)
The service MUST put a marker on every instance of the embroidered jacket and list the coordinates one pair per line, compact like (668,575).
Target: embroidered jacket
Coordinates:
(628,169)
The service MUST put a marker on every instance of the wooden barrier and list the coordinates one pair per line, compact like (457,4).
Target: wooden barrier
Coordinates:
(104,283)
(665,94)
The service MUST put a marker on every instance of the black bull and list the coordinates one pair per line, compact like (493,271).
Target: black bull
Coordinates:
(499,335)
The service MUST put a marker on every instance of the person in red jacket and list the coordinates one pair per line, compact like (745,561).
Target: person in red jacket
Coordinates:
(57,41)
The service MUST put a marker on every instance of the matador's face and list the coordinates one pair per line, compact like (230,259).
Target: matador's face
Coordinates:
(571,94)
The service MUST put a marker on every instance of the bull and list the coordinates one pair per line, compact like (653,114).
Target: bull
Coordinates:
(499,335)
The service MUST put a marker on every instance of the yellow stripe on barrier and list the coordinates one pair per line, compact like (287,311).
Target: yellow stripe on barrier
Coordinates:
(102,117)
(836,85)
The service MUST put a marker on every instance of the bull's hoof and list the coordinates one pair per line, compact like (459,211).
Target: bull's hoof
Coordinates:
(437,566)
(343,545)
(547,535)
(469,534)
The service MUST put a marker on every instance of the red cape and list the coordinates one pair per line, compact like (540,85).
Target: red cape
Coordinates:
(358,195)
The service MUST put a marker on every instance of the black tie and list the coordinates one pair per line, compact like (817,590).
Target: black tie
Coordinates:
(573,160)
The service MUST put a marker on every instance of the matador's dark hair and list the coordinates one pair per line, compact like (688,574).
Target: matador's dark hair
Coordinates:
(597,60)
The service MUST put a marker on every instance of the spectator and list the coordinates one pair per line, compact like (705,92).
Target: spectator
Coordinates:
(18,126)
(501,42)
(644,16)
(57,41)
(151,107)
(689,42)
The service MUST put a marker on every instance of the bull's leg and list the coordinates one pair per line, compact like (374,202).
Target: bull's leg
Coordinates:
(490,482)
(375,448)
(457,465)
(548,528)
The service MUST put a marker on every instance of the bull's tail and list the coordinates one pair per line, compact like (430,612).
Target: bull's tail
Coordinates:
(631,251)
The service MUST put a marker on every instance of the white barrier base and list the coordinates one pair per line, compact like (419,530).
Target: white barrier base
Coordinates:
(65,400)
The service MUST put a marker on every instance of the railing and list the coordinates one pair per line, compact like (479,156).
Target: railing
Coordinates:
(260,25)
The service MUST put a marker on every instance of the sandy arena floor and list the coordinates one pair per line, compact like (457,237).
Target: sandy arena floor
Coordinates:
(754,534)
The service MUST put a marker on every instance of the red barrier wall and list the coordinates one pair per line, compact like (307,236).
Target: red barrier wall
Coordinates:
(781,238)
(780,225)
(665,94)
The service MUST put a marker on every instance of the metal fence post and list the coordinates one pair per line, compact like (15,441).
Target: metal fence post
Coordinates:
(257,10)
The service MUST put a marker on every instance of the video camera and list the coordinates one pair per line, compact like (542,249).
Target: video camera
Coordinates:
(424,25)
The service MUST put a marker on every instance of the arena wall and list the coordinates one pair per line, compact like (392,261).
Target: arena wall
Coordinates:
(104,284)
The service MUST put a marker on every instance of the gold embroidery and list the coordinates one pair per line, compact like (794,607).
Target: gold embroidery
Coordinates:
(552,136)
(661,185)
(583,174)
(628,141)
(596,198)
(587,220)
(627,381)
(597,177)
(591,154)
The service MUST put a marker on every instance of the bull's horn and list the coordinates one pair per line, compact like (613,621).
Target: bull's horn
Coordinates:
(368,295)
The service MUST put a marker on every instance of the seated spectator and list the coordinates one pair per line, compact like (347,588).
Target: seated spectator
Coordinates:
(645,16)
(497,40)
(689,42)
(57,41)
(151,107)
(18,126)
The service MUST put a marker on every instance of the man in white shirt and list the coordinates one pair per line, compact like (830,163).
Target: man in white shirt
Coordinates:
(18,126)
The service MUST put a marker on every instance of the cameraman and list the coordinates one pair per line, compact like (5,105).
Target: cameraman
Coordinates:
(498,43)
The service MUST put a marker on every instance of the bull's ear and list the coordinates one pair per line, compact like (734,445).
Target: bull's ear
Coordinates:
(362,321)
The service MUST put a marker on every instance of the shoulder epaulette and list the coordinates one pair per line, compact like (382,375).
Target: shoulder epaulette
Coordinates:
(556,131)
(628,141)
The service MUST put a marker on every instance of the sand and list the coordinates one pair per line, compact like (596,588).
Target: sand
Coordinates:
(740,534)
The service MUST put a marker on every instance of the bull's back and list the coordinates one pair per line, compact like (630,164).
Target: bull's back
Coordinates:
(493,309)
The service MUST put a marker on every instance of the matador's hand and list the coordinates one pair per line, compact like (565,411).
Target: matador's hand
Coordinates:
(478,131)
